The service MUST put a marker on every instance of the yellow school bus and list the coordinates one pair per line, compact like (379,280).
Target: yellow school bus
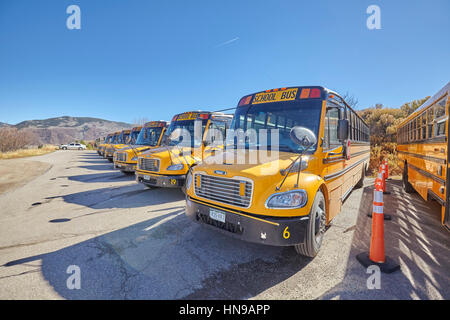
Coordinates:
(167,166)
(119,140)
(321,153)
(422,151)
(148,137)
(102,146)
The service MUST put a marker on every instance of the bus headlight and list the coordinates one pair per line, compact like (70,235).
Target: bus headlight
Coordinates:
(188,180)
(175,167)
(287,200)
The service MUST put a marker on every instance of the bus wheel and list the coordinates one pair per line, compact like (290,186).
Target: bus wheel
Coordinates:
(406,185)
(315,228)
(360,183)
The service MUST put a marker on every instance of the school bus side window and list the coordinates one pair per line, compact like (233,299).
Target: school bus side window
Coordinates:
(440,117)
(430,119)
(350,127)
(330,133)
(214,129)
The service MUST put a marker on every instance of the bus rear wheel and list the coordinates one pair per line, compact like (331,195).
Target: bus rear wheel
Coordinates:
(406,185)
(315,229)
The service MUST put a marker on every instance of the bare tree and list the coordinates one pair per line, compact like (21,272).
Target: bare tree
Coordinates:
(140,121)
(12,139)
(350,99)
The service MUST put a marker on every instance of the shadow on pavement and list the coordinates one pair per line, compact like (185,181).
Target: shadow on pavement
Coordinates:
(414,238)
(100,167)
(113,176)
(167,257)
(121,197)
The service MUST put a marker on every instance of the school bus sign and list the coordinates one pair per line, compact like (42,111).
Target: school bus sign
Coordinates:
(277,96)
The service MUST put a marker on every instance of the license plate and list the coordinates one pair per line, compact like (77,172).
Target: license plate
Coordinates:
(146,177)
(217,215)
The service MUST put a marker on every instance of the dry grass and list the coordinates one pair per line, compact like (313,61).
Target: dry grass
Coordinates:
(379,152)
(21,153)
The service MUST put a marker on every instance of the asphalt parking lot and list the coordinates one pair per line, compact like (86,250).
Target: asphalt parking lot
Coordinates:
(130,242)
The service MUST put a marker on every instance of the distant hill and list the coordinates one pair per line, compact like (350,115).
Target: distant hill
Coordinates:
(2,124)
(68,129)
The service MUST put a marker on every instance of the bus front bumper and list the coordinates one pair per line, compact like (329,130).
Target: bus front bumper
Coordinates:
(125,167)
(160,180)
(265,230)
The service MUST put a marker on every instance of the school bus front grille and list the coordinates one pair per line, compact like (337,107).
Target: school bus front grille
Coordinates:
(228,191)
(149,164)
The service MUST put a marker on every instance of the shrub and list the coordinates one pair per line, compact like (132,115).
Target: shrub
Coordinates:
(12,139)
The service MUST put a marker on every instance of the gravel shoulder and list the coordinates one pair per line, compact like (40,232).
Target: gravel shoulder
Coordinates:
(15,173)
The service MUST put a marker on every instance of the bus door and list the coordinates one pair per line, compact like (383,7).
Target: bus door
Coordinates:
(334,160)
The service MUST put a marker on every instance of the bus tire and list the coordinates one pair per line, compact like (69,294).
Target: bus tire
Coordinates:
(406,185)
(360,183)
(315,229)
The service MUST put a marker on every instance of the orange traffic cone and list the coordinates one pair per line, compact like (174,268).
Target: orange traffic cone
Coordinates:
(383,177)
(386,168)
(377,239)
(380,186)
(376,254)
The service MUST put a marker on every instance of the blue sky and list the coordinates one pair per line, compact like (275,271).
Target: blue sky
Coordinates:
(134,59)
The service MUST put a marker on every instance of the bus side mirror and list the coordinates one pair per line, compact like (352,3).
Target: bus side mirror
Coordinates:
(342,129)
(303,136)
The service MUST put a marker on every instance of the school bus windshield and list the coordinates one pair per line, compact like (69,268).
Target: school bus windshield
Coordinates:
(277,115)
(189,126)
(123,137)
(133,137)
(149,136)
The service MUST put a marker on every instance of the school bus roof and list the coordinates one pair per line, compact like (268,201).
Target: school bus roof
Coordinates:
(193,115)
(126,131)
(297,92)
(136,129)
(429,102)
(160,123)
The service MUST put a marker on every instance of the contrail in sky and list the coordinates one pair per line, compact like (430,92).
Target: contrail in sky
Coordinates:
(227,42)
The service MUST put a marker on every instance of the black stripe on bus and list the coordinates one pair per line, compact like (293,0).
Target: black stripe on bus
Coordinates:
(343,171)
(434,159)
(427,174)
(342,158)
(430,140)
(360,143)
(436,197)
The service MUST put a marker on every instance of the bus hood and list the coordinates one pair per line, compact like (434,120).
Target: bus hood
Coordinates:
(244,163)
